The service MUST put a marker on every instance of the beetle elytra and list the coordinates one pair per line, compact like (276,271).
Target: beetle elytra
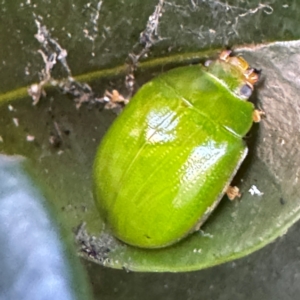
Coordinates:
(170,156)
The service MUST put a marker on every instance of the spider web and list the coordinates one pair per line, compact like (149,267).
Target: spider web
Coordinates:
(213,22)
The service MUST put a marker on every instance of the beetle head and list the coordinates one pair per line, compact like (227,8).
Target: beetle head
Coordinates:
(235,72)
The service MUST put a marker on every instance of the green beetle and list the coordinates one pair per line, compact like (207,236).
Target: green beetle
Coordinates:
(170,156)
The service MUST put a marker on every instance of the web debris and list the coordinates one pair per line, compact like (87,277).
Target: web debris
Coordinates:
(222,17)
(92,33)
(95,248)
(52,53)
(148,37)
(267,9)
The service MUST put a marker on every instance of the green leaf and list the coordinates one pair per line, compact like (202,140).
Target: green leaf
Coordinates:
(234,230)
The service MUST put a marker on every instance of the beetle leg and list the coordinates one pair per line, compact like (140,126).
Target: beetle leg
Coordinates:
(224,55)
(257,115)
(232,192)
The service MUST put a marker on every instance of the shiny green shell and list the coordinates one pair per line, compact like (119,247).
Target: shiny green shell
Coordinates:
(169,157)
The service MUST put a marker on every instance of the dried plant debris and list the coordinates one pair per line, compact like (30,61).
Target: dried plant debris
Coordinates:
(52,53)
(81,92)
(36,90)
(148,37)
(92,247)
(113,100)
